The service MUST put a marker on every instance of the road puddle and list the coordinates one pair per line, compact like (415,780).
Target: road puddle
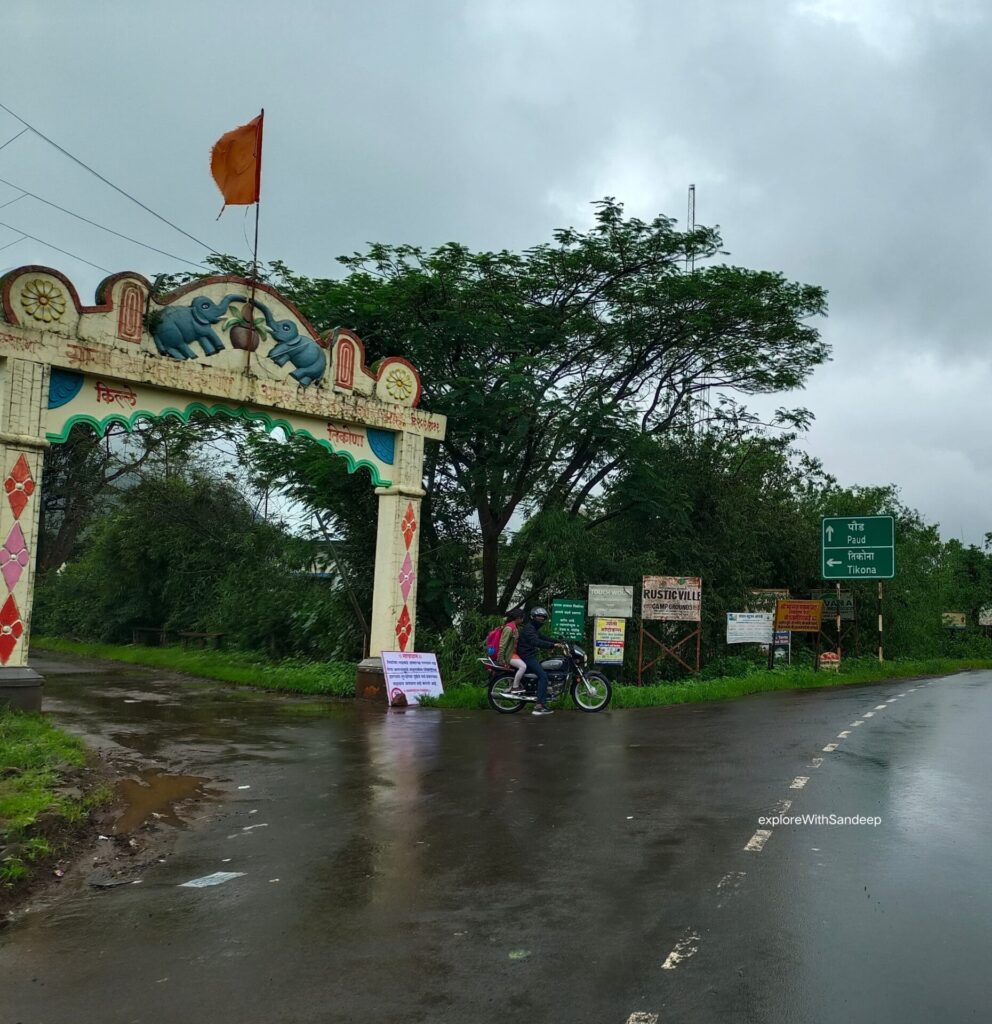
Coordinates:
(155,794)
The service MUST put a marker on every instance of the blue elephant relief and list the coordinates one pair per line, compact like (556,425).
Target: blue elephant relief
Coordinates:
(303,352)
(180,326)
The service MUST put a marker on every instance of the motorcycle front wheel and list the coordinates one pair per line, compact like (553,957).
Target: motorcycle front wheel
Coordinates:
(594,694)
(499,696)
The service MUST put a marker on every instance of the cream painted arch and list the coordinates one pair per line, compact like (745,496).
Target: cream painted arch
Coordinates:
(206,348)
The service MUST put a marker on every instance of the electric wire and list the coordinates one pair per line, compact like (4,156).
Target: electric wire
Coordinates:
(15,241)
(106,181)
(15,138)
(102,227)
(65,252)
(10,202)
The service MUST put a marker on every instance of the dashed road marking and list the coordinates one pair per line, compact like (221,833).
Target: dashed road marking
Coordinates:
(782,806)
(816,762)
(830,748)
(869,714)
(879,707)
(686,947)
(758,840)
(892,700)
(900,695)
(843,735)
(642,1018)
(731,880)
(799,781)
(860,721)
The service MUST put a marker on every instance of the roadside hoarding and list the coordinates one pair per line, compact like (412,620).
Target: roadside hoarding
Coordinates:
(610,601)
(409,676)
(749,627)
(829,599)
(799,616)
(672,598)
(954,620)
(763,598)
(985,616)
(608,640)
(568,619)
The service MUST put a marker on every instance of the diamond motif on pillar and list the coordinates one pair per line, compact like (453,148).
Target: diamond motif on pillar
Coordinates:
(409,525)
(19,486)
(14,556)
(406,577)
(404,627)
(11,629)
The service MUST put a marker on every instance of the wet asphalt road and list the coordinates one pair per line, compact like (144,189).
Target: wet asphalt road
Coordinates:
(464,867)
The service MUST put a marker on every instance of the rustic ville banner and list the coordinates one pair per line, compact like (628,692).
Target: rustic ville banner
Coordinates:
(218,346)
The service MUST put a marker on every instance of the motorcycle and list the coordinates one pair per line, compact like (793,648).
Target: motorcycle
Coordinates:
(590,690)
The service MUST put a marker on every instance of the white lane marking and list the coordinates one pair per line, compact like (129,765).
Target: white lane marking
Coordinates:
(782,806)
(860,721)
(729,885)
(758,840)
(843,735)
(799,781)
(892,700)
(830,748)
(900,695)
(686,947)
(217,878)
(642,1018)
(879,707)
(816,762)
(869,714)
(248,828)
(732,879)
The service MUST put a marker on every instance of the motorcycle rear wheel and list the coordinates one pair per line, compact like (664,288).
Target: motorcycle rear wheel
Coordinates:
(600,696)
(499,698)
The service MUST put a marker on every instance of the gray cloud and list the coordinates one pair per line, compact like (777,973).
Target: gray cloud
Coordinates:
(842,141)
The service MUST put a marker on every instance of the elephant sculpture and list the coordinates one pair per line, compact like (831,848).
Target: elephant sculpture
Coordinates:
(303,352)
(180,326)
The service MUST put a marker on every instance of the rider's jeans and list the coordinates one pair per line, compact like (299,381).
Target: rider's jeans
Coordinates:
(533,665)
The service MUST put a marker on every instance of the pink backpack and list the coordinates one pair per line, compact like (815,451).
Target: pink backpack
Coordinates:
(492,641)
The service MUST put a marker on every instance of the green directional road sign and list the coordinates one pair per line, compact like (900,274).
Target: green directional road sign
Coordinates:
(858,547)
(568,619)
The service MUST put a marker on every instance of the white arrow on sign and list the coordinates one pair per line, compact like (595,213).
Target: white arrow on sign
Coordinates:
(830,534)
(834,561)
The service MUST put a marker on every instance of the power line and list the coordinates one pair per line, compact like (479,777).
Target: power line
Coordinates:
(102,227)
(14,139)
(64,252)
(106,181)
(15,241)
(10,202)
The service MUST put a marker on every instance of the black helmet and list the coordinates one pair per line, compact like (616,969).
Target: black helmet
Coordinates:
(538,613)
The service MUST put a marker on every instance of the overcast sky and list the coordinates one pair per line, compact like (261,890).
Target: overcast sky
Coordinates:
(844,142)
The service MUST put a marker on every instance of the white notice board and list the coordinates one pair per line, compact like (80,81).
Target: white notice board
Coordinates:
(411,675)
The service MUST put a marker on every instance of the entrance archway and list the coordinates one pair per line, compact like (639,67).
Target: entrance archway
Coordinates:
(202,349)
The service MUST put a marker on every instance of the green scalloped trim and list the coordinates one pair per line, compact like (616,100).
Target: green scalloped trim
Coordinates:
(270,422)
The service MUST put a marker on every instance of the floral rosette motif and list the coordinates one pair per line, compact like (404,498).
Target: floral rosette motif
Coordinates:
(43,300)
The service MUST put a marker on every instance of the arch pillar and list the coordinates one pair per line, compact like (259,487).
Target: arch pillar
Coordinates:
(23,396)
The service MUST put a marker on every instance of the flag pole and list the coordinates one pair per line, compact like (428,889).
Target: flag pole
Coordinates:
(254,254)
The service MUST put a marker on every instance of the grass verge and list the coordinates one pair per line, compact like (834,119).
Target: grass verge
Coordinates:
(241,667)
(864,670)
(37,761)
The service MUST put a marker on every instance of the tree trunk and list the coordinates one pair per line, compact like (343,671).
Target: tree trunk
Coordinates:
(490,570)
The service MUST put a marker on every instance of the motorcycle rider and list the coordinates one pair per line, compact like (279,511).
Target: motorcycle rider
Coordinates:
(529,642)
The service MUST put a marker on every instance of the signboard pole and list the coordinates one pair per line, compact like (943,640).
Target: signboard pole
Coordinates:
(881,656)
(838,621)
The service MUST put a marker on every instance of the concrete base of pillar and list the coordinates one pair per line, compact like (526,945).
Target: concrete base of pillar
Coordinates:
(370,681)
(21,688)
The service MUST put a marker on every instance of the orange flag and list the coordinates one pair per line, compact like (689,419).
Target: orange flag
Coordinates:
(236,164)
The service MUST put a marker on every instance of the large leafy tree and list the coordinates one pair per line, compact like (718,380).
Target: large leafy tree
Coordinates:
(551,363)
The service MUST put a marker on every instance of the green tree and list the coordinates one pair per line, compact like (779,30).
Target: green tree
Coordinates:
(552,363)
